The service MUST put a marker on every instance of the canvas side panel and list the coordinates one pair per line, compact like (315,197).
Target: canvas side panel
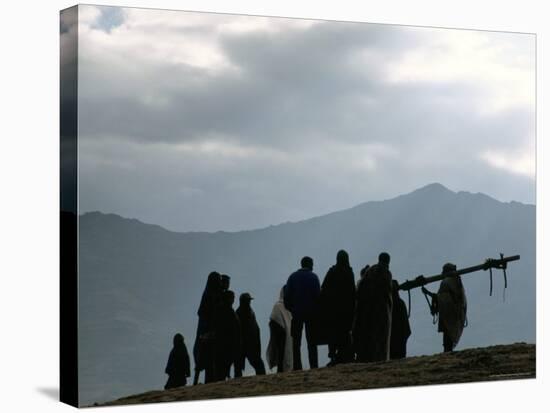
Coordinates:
(68,386)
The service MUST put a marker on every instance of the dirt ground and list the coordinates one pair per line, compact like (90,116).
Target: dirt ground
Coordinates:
(503,362)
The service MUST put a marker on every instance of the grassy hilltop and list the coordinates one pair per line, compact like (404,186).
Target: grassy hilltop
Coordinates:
(503,362)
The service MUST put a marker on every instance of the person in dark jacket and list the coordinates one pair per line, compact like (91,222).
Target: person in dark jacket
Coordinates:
(203,349)
(374,313)
(227,338)
(250,336)
(301,299)
(178,366)
(338,306)
(400,327)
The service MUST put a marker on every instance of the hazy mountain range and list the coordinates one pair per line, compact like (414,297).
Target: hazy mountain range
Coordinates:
(140,283)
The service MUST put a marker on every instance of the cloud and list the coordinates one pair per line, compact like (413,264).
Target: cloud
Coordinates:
(521,164)
(500,64)
(286,118)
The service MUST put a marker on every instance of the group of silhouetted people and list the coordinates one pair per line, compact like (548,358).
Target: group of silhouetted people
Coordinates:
(363,322)
(355,321)
(225,338)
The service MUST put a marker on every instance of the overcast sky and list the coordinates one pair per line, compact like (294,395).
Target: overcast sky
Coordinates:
(212,122)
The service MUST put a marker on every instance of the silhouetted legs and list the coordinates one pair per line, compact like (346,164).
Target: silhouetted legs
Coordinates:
(340,351)
(296,330)
(196,377)
(281,355)
(196,356)
(278,335)
(447,343)
(332,354)
(238,370)
(255,361)
(210,373)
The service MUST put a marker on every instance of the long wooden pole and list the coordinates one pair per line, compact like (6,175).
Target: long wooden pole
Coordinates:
(499,263)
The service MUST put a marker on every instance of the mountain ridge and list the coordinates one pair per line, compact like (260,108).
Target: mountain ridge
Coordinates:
(426,189)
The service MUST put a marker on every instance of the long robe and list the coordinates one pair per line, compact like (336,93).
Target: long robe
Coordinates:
(400,328)
(250,330)
(228,345)
(338,302)
(452,305)
(372,329)
(283,318)
(178,366)
(203,347)
(251,348)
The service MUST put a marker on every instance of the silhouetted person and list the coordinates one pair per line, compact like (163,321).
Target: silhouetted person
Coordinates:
(301,298)
(228,337)
(250,336)
(338,306)
(374,313)
(226,281)
(450,302)
(203,349)
(279,349)
(178,367)
(400,327)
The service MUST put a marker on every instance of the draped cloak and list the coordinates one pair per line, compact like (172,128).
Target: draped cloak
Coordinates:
(372,328)
(282,317)
(452,305)
(337,302)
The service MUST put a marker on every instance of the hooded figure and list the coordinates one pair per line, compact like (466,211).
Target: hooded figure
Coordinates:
(450,302)
(337,307)
(227,338)
(400,327)
(203,349)
(250,336)
(178,366)
(279,349)
(372,327)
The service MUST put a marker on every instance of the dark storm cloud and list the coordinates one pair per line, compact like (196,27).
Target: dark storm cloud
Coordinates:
(287,85)
(298,121)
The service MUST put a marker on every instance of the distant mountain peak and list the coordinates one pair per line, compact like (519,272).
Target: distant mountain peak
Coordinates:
(435,187)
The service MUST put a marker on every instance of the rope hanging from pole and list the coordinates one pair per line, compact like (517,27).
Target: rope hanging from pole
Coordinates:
(434,314)
(409,295)
(505,278)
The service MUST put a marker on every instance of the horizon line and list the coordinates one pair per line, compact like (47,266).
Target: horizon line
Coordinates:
(432,185)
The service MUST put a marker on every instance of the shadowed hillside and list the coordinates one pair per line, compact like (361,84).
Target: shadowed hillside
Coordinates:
(515,361)
(139,283)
